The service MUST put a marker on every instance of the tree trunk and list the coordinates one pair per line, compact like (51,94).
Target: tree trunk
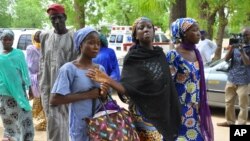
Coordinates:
(177,10)
(219,39)
(208,17)
(210,25)
(79,6)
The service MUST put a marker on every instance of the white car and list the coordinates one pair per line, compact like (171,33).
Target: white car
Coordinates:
(23,38)
(216,79)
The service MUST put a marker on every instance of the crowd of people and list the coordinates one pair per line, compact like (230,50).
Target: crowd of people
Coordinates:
(66,71)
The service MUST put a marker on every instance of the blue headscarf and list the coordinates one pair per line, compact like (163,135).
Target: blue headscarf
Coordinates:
(180,26)
(80,35)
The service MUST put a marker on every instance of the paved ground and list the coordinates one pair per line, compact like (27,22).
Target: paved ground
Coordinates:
(220,133)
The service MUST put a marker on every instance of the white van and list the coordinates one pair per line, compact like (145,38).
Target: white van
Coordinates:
(120,40)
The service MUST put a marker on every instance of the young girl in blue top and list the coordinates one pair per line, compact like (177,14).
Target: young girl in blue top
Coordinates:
(73,87)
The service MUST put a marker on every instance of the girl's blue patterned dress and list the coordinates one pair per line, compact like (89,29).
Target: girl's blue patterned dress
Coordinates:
(186,77)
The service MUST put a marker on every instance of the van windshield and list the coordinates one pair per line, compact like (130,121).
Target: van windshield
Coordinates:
(112,38)
(119,39)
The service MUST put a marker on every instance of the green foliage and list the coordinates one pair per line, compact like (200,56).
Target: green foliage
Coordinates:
(5,14)
(32,13)
(239,15)
(28,13)
(126,11)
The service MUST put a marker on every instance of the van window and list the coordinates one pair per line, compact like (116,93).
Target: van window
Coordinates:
(164,38)
(119,39)
(24,41)
(112,38)
(129,39)
(157,39)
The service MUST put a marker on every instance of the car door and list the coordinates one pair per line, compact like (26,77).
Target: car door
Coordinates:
(216,79)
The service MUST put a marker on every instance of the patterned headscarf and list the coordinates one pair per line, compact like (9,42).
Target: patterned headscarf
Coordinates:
(134,27)
(80,35)
(180,26)
(7,33)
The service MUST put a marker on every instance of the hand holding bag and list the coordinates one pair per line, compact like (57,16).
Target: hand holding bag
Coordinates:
(112,125)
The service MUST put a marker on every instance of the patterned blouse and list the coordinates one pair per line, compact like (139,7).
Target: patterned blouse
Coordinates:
(186,77)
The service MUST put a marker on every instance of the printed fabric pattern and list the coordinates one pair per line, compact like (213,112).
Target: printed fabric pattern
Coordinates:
(187,78)
(116,126)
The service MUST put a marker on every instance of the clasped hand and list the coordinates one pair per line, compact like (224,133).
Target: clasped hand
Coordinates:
(101,77)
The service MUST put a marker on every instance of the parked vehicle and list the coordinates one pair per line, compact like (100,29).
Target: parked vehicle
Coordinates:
(23,38)
(216,78)
(120,40)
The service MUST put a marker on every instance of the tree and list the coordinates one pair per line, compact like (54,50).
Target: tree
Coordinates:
(28,14)
(5,15)
(80,8)
(177,10)
(220,33)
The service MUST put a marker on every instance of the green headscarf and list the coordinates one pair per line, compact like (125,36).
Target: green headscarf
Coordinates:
(103,39)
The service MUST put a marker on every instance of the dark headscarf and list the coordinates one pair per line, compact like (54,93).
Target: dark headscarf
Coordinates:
(147,80)
(134,40)
(203,32)
(179,27)
(103,39)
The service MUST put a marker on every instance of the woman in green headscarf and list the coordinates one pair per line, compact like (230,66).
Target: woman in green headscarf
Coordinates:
(15,110)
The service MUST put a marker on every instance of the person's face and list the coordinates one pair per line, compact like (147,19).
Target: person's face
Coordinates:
(203,36)
(36,37)
(144,31)
(192,35)
(91,45)
(58,21)
(7,42)
(246,36)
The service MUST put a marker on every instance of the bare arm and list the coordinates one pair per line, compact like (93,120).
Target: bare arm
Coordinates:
(59,99)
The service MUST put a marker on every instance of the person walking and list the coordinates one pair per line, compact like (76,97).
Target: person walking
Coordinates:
(206,47)
(107,58)
(73,87)
(15,109)
(57,48)
(187,71)
(238,81)
(147,85)
(32,58)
